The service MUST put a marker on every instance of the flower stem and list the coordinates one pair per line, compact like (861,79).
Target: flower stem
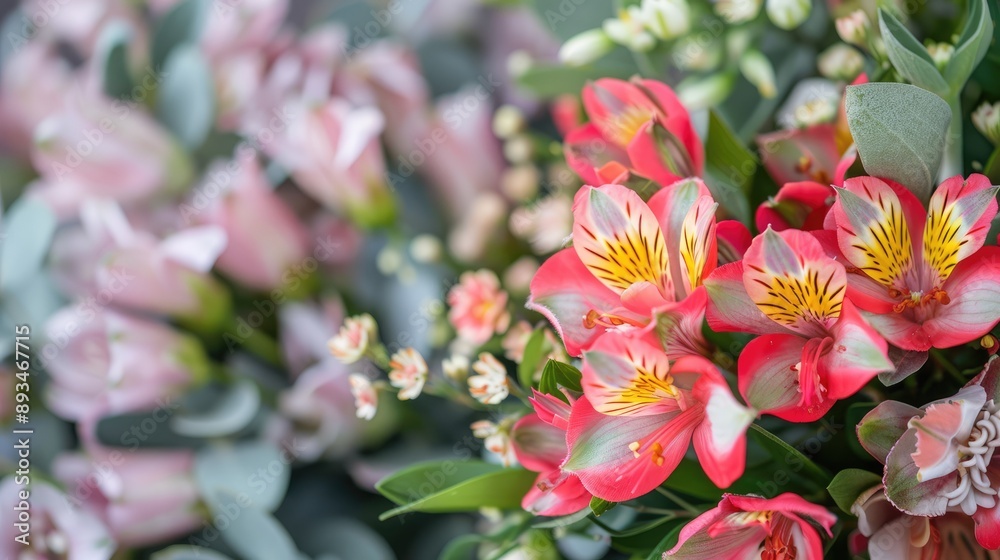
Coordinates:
(951,164)
(678,500)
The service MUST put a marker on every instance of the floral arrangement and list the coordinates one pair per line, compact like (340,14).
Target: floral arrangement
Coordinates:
(500,280)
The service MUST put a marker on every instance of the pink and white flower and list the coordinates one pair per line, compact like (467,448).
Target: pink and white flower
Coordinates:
(478,306)
(408,373)
(752,526)
(489,385)
(354,339)
(496,439)
(365,396)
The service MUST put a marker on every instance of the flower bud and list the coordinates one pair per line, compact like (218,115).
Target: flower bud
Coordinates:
(520,182)
(757,69)
(854,28)
(817,111)
(987,121)
(426,248)
(408,373)
(941,53)
(667,19)
(698,92)
(585,48)
(840,62)
(456,368)
(489,385)
(508,120)
(788,14)
(629,31)
(737,11)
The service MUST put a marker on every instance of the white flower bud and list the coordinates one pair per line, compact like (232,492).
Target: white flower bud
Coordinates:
(941,54)
(840,62)
(854,28)
(585,48)
(667,19)
(788,14)
(629,31)
(508,120)
(737,11)
(987,121)
(757,69)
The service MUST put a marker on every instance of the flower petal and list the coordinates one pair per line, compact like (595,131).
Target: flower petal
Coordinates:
(587,151)
(974,309)
(858,354)
(538,445)
(904,489)
(793,281)
(942,428)
(618,239)
(801,205)
(882,427)
(677,327)
(556,493)
(809,154)
(720,440)
(769,376)
(627,376)
(619,458)
(875,219)
(730,308)
(676,206)
(564,291)
(988,527)
(958,219)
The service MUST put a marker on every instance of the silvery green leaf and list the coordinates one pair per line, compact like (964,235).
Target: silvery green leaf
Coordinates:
(182,552)
(254,473)
(230,412)
(181,25)
(186,100)
(971,46)
(909,57)
(253,533)
(900,131)
(345,538)
(28,227)
(112,48)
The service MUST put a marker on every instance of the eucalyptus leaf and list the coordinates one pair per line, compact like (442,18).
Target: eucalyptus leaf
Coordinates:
(253,533)
(909,57)
(113,51)
(972,45)
(900,132)
(849,484)
(181,25)
(182,552)
(229,413)
(502,489)
(28,227)
(529,361)
(186,100)
(255,473)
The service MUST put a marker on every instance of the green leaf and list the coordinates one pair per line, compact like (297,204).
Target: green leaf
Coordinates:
(230,412)
(182,552)
(642,538)
(529,361)
(113,50)
(407,485)
(461,548)
(599,506)
(900,131)
(668,542)
(28,226)
(252,533)
(909,57)
(502,489)
(992,167)
(729,168)
(556,375)
(849,484)
(788,455)
(181,25)
(565,18)
(186,101)
(971,47)
(234,472)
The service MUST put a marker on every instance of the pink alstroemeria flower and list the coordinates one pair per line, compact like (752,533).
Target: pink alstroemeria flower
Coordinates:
(940,459)
(539,442)
(802,205)
(638,126)
(815,348)
(922,273)
(640,412)
(630,260)
(745,527)
(478,306)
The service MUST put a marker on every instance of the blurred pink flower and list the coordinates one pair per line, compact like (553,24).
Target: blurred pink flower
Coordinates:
(478,306)
(108,363)
(244,25)
(255,256)
(92,146)
(408,373)
(56,528)
(80,23)
(332,151)
(546,224)
(109,263)
(33,82)
(321,411)
(305,329)
(144,497)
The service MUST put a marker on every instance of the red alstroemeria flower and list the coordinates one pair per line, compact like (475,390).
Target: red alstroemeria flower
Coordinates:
(745,527)
(815,348)
(923,274)
(629,261)
(802,205)
(539,442)
(639,414)
(638,126)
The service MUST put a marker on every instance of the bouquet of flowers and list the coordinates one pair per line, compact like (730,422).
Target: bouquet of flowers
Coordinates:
(500,279)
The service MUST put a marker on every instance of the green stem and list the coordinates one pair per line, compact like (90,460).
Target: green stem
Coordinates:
(943,362)
(951,164)
(678,500)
